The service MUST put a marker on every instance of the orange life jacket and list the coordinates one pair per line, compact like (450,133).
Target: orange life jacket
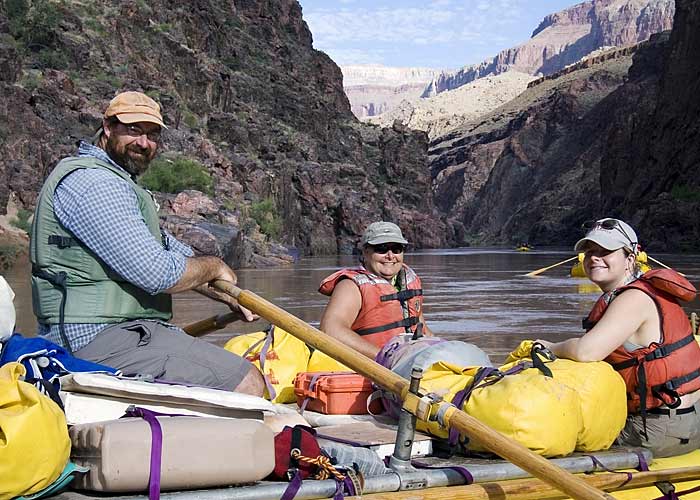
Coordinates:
(381,315)
(662,372)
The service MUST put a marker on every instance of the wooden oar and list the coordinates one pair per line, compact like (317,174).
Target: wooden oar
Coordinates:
(539,271)
(534,489)
(202,327)
(661,264)
(421,407)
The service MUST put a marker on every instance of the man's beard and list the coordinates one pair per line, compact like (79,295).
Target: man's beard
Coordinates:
(131,158)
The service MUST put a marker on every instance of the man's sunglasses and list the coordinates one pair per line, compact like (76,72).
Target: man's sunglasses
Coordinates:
(385,247)
(608,225)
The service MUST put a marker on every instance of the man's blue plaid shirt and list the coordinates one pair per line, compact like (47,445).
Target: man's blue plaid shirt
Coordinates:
(101,210)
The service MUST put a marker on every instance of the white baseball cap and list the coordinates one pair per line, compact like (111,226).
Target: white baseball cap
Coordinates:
(609,233)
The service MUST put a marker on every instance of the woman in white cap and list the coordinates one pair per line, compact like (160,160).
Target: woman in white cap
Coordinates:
(375,302)
(639,327)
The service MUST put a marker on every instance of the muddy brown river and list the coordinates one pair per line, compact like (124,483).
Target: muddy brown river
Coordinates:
(474,294)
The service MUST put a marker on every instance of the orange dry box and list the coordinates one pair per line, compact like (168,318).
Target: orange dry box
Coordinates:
(335,393)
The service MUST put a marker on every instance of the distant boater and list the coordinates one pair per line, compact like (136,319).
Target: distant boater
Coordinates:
(103,271)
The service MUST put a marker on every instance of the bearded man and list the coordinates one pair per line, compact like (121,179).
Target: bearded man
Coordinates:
(103,271)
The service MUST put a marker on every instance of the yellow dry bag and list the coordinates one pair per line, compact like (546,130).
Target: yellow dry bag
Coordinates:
(34,443)
(321,362)
(601,395)
(278,355)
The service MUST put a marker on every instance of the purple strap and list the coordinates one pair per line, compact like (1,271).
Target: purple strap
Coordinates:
(266,343)
(340,440)
(312,385)
(156,447)
(673,495)
(263,356)
(643,465)
(598,463)
(346,486)
(293,487)
(686,492)
(462,471)
(484,377)
(461,396)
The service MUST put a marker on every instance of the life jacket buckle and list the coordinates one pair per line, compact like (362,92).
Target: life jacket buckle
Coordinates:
(657,353)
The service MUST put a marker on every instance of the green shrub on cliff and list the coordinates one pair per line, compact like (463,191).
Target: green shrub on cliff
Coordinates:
(22,220)
(685,193)
(177,174)
(265,214)
(8,256)
(34,22)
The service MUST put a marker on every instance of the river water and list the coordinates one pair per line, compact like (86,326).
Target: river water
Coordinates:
(475,294)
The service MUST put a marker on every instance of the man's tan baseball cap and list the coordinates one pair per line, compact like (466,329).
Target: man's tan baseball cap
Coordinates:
(133,107)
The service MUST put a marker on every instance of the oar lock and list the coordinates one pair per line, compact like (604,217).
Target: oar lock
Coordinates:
(426,407)
(420,406)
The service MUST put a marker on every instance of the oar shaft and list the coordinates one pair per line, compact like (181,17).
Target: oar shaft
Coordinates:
(324,343)
(535,489)
(494,441)
(543,269)
(521,456)
(655,261)
(208,325)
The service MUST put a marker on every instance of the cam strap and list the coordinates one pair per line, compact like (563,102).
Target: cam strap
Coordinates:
(587,324)
(62,241)
(671,386)
(658,353)
(58,280)
(156,445)
(403,295)
(407,322)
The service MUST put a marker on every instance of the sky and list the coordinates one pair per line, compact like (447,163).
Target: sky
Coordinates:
(439,34)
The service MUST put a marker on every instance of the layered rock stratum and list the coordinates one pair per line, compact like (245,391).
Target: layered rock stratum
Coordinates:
(438,114)
(374,89)
(615,136)
(561,40)
(566,37)
(244,94)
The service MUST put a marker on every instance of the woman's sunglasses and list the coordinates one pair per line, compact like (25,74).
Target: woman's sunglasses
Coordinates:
(608,225)
(385,247)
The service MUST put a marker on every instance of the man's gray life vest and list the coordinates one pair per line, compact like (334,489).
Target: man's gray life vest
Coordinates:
(65,270)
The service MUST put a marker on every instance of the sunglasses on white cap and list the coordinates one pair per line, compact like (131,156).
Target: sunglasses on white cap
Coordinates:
(609,225)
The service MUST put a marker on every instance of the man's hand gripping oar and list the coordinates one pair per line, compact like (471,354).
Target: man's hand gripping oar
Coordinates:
(421,406)
(219,321)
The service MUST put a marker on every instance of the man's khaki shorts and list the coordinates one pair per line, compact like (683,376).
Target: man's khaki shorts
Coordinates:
(153,349)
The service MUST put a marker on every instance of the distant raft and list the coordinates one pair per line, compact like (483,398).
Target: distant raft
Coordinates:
(578,272)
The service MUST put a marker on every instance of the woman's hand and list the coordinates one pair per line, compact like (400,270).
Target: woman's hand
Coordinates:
(546,344)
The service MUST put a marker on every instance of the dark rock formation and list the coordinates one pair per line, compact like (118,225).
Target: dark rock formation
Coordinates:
(599,141)
(530,170)
(650,172)
(243,93)
(567,36)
